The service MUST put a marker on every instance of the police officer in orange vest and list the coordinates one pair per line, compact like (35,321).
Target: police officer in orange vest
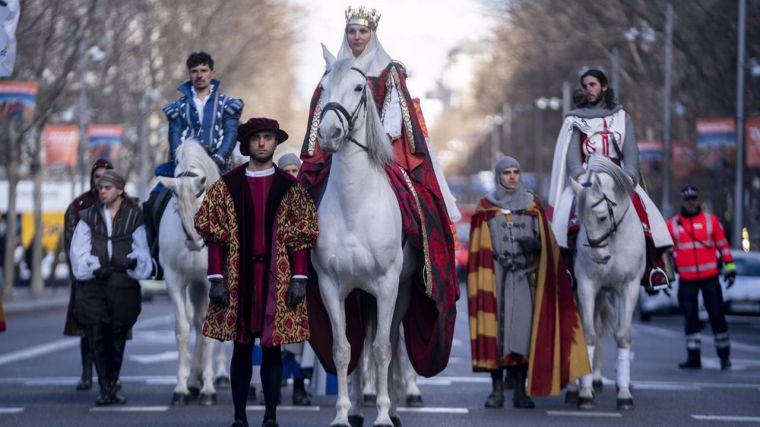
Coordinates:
(698,237)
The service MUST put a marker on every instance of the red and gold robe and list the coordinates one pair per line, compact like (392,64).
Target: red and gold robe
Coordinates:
(558,347)
(226,220)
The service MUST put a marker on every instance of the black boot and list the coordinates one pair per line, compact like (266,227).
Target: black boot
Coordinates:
(520,398)
(300,396)
(118,342)
(96,336)
(153,208)
(85,383)
(693,360)
(496,398)
(724,354)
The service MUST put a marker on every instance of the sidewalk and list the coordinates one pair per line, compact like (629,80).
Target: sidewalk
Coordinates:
(23,301)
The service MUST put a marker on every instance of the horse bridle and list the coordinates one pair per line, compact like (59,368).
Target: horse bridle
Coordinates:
(188,236)
(347,121)
(598,242)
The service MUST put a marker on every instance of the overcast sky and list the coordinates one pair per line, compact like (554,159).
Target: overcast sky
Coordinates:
(418,33)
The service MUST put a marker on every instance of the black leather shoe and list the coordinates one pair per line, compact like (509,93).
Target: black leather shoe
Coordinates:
(269,423)
(495,401)
(301,398)
(725,364)
(84,384)
(239,423)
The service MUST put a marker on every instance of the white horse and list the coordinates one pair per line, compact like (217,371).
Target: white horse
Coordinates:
(609,265)
(360,243)
(184,257)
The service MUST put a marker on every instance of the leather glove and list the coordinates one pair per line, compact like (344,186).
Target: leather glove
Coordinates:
(103,273)
(129,264)
(529,245)
(218,294)
(296,291)
(220,163)
(729,274)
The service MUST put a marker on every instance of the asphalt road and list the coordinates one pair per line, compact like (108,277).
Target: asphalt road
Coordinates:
(39,368)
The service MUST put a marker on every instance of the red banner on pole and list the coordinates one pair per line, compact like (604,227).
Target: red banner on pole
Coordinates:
(752,136)
(61,143)
(104,141)
(685,159)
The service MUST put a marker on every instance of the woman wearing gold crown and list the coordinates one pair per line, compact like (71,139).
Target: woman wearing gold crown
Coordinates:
(433,208)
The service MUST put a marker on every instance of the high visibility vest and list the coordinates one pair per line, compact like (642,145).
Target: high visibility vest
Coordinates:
(697,241)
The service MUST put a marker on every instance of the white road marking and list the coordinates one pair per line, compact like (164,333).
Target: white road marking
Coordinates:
(146,359)
(285,408)
(11,410)
(63,343)
(434,410)
(129,409)
(668,333)
(726,418)
(38,350)
(583,414)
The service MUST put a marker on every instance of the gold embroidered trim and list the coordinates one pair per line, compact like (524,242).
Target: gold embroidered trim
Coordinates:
(405,114)
(315,119)
(428,271)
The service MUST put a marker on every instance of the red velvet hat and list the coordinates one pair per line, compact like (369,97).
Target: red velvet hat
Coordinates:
(255,125)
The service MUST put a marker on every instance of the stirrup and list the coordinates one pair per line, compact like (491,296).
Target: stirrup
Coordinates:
(661,286)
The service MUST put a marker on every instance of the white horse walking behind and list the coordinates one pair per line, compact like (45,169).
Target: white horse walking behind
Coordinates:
(360,232)
(184,256)
(610,262)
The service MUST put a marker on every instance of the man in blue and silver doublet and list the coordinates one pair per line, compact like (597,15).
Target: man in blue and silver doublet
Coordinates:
(202,113)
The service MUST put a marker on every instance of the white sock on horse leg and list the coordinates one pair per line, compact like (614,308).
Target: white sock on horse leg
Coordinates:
(587,380)
(624,367)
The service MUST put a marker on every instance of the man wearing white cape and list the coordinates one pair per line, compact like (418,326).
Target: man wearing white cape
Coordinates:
(601,126)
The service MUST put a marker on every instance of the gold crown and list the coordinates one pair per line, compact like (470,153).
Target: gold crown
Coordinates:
(362,16)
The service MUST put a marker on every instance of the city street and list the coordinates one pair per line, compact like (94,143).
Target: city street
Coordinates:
(39,368)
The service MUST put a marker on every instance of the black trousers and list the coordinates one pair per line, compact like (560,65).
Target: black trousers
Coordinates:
(712,295)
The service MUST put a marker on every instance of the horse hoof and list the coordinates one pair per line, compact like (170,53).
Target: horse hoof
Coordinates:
(396,420)
(571,397)
(179,399)
(414,401)
(222,382)
(586,403)
(207,399)
(356,420)
(194,392)
(598,385)
(369,399)
(625,404)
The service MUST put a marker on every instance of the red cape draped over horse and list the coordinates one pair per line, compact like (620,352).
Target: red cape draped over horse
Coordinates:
(429,323)
(557,346)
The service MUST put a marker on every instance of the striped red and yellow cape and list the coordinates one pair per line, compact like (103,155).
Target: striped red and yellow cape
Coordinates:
(558,347)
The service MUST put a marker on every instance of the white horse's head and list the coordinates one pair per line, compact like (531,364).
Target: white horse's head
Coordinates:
(602,200)
(349,112)
(194,174)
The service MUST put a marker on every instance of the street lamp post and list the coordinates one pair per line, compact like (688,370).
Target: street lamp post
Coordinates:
(739,185)
(666,207)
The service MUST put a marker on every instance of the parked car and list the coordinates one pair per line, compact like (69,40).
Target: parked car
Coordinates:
(463,235)
(742,299)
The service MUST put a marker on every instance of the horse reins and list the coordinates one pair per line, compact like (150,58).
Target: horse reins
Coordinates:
(347,121)
(597,242)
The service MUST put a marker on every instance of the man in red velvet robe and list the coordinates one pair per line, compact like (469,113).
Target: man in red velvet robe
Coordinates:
(258,223)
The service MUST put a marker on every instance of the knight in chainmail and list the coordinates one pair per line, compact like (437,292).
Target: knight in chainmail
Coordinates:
(516,244)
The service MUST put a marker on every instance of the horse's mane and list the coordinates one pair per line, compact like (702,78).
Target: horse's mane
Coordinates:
(192,154)
(378,146)
(599,164)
